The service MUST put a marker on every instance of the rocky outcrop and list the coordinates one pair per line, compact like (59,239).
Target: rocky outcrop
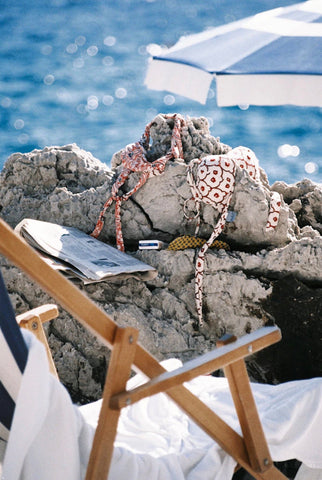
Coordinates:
(265,278)
(305,199)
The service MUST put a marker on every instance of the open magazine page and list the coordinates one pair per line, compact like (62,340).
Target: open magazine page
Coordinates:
(84,256)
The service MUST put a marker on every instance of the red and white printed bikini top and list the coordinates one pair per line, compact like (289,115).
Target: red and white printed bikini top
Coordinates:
(215,180)
(214,183)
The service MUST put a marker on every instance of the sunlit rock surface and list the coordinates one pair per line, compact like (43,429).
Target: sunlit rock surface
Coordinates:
(265,278)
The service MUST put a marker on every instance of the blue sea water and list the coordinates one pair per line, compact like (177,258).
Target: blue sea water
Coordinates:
(72,71)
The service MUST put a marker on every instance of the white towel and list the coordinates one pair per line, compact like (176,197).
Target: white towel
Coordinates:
(51,438)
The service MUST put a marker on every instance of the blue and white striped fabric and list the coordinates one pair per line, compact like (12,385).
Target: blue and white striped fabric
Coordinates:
(13,358)
(272,58)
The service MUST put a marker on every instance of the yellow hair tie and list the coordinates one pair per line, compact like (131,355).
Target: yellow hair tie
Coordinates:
(188,241)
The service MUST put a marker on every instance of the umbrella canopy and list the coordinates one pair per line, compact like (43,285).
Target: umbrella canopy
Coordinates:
(272,58)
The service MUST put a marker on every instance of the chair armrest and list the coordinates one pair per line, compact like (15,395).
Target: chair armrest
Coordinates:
(203,365)
(44,313)
(33,320)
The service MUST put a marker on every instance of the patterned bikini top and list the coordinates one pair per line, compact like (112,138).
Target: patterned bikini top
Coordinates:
(213,183)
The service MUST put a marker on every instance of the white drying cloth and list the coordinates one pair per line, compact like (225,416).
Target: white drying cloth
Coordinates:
(51,438)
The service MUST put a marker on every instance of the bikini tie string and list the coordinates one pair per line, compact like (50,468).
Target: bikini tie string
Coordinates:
(134,160)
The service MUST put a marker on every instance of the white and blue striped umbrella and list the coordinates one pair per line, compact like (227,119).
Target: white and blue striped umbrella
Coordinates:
(272,58)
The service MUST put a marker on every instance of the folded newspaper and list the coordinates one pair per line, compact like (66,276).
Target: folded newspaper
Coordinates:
(79,255)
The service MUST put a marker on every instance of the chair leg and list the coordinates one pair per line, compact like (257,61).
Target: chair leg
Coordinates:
(255,441)
(250,423)
(254,437)
(118,374)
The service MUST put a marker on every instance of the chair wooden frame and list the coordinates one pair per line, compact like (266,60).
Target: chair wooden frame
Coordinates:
(33,321)
(250,450)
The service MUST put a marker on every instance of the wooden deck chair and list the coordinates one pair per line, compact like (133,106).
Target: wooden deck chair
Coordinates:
(250,450)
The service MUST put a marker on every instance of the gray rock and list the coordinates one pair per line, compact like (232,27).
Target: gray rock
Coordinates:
(305,199)
(59,184)
(242,287)
(69,186)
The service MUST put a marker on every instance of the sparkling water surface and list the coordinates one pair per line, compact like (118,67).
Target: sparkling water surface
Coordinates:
(72,71)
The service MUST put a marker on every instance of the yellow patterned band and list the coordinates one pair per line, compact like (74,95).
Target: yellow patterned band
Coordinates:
(188,241)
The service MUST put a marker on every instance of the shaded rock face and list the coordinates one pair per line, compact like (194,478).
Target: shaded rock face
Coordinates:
(264,279)
(297,309)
